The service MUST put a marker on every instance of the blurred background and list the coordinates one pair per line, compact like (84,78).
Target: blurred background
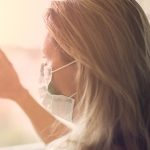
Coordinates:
(22,32)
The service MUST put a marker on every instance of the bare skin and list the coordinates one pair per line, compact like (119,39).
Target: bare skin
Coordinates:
(11,88)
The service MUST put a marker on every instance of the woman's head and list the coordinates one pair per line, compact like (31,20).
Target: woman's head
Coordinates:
(111,42)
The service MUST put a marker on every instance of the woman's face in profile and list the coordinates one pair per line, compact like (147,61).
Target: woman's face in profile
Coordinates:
(51,52)
(63,80)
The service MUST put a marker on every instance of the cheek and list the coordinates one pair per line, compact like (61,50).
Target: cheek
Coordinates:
(49,52)
(46,53)
(46,49)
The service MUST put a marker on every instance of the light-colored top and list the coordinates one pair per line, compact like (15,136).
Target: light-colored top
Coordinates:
(60,144)
(62,109)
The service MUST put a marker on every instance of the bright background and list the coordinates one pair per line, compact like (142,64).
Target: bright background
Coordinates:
(21,22)
(22,31)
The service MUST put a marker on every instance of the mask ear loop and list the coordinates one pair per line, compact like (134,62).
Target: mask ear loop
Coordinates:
(73,95)
(64,66)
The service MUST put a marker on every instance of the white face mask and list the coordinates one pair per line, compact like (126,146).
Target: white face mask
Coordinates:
(58,105)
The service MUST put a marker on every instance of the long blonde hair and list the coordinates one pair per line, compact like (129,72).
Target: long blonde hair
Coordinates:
(110,39)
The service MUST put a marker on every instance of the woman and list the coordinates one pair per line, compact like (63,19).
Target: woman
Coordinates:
(109,45)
